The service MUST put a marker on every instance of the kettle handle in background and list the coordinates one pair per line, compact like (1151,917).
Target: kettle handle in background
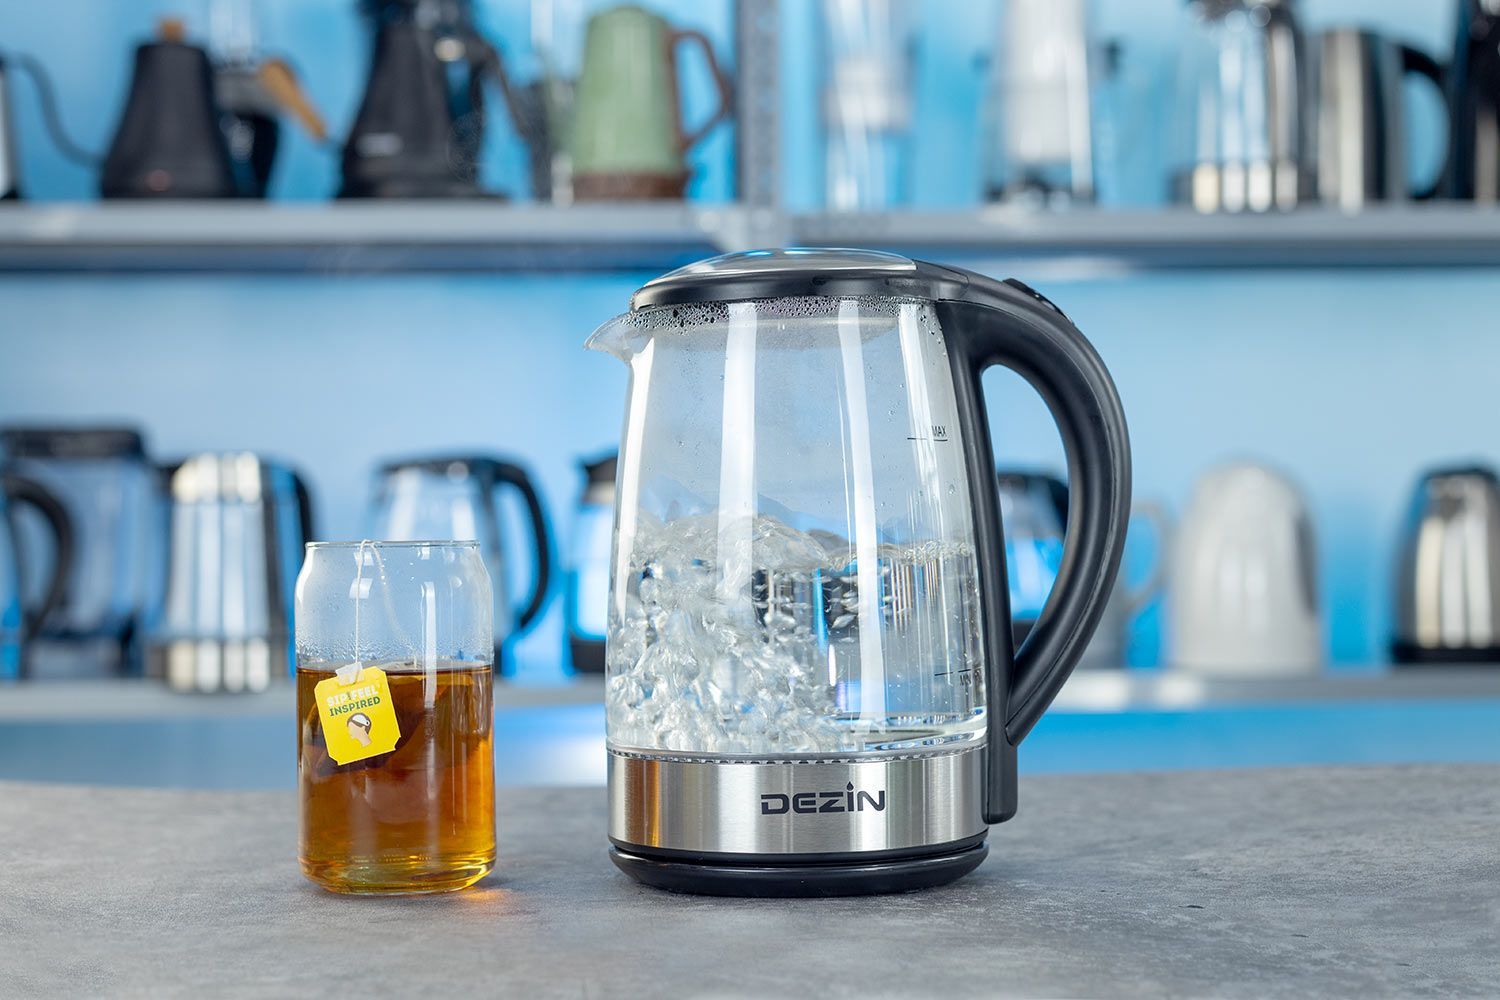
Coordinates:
(1005,323)
(491,63)
(513,475)
(1139,596)
(1415,61)
(19,489)
(279,80)
(721,82)
(305,521)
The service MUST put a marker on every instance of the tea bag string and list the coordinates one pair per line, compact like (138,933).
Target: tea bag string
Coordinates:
(349,673)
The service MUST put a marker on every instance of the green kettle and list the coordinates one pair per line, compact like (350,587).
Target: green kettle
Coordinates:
(628,141)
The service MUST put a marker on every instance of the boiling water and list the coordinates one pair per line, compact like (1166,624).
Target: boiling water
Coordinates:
(750,637)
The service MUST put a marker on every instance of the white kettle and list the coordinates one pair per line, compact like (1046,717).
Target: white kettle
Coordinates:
(1242,596)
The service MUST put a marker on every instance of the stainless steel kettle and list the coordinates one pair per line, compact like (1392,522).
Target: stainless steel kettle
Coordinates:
(1242,95)
(238,526)
(1448,570)
(1473,172)
(1360,128)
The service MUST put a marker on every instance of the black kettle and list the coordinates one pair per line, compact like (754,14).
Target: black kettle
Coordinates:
(420,125)
(169,143)
(10,185)
(1473,170)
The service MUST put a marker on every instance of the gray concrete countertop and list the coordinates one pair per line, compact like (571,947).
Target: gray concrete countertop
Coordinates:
(1298,882)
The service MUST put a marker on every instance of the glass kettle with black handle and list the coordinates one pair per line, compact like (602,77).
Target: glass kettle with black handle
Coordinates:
(440,498)
(18,622)
(812,687)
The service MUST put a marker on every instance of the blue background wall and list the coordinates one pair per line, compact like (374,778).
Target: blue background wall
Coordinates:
(1351,382)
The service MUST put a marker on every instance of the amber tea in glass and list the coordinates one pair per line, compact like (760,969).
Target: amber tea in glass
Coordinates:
(420,816)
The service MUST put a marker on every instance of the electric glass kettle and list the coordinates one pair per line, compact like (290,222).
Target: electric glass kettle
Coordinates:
(812,686)
(442,497)
(1034,508)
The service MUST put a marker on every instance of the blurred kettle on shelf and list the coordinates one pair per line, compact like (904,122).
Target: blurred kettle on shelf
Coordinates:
(1447,583)
(421,122)
(252,92)
(587,595)
(112,496)
(454,497)
(628,138)
(238,524)
(169,142)
(1111,639)
(10,169)
(1473,168)
(1360,130)
(869,67)
(194,129)
(1034,513)
(1242,589)
(1242,108)
(18,622)
(1040,146)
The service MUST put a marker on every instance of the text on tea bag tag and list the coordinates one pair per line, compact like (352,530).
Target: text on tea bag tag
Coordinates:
(354,706)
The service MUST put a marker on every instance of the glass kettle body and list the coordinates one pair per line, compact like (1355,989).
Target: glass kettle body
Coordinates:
(441,497)
(811,683)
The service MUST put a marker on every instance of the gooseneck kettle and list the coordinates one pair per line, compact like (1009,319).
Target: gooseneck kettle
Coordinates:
(169,142)
(812,687)
(420,124)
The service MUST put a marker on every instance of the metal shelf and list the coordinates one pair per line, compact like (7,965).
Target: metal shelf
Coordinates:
(353,238)
(1091,241)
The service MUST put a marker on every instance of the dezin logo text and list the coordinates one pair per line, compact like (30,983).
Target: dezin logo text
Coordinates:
(848,800)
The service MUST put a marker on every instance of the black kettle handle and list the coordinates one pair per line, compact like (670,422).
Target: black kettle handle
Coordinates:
(1417,62)
(306,520)
(19,489)
(513,475)
(1006,323)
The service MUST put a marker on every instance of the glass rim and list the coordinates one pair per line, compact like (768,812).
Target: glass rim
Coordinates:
(435,543)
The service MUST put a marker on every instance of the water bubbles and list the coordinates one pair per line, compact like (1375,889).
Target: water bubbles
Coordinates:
(744,637)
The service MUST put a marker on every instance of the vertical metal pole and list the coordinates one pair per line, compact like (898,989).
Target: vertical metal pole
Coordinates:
(757,26)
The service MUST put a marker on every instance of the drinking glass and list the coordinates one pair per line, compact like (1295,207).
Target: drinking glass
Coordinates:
(421,816)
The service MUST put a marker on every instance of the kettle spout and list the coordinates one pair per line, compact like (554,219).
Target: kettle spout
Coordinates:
(621,337)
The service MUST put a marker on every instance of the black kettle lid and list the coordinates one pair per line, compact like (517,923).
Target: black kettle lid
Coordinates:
(71,442)
(798,271)
(822,272)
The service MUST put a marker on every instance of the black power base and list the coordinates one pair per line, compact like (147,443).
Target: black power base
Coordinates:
(840,875)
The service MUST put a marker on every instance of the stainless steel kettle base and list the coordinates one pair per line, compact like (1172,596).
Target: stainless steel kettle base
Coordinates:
(726,875)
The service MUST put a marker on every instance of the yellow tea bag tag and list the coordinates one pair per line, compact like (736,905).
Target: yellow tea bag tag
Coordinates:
(358,718)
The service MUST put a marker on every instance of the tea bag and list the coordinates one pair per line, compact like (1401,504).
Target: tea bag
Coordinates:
(355,705)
